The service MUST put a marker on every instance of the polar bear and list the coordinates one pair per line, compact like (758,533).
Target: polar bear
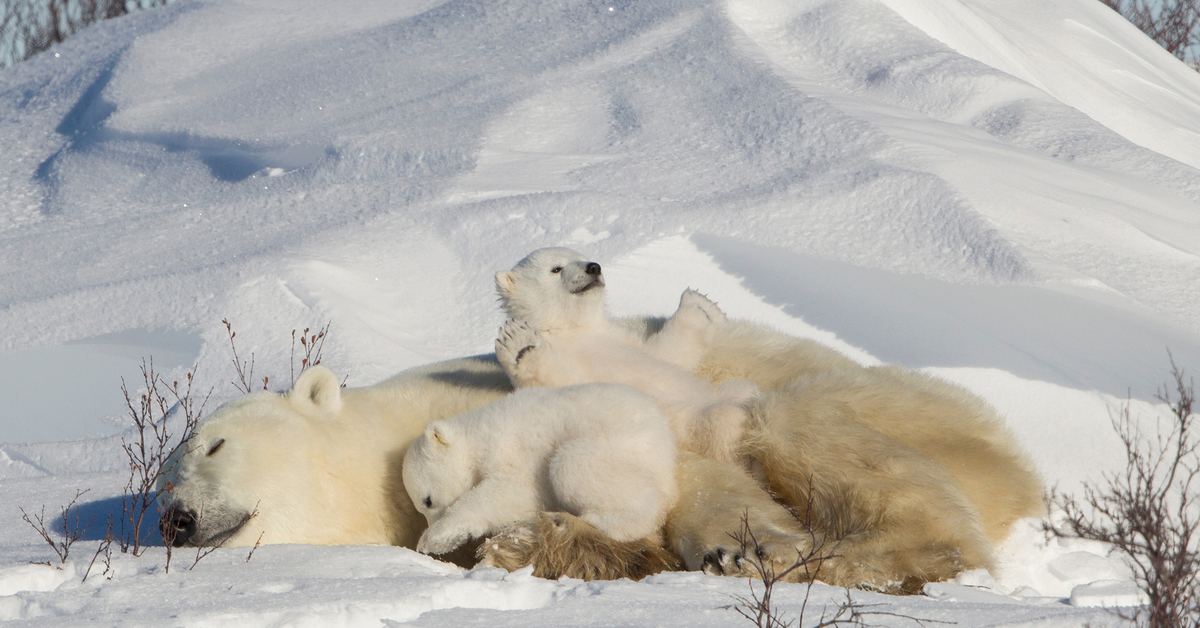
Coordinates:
(319,464)
(603,452)
(937,481)
(890,478)
(558,334)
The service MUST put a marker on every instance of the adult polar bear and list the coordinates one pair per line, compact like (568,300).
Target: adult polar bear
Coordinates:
(909,478)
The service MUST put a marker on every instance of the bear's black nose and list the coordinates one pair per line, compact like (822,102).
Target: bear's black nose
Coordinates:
(177,526)
(592,268)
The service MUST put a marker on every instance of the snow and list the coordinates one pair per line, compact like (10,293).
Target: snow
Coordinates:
(1004,194)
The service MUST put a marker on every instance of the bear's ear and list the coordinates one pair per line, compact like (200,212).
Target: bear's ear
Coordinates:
(439,432)
(317,392)
(506,280)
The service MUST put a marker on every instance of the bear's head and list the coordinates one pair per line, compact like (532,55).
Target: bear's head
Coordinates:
(438,469)
(553,288)
(252,470)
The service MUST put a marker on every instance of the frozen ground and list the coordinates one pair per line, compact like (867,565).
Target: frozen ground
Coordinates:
(1004,192)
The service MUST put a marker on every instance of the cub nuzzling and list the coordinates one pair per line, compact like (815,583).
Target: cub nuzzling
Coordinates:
(602,452)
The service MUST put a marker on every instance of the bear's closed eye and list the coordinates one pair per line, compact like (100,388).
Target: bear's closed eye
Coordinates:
(215,447)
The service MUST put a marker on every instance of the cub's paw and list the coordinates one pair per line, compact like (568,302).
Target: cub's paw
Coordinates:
(516,345)
(441,539)
(775,551)
(697,311)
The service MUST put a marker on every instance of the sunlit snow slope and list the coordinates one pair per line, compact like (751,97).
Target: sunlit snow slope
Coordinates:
(916,179)
(374,162)
(1002,192)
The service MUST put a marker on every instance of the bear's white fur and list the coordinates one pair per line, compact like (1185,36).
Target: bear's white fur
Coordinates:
(318,464)
(558,334)
(909,478)
(602,452)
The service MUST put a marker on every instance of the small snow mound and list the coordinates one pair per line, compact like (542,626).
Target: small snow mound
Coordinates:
(34,578)
(11,469)
(14,607)
(1108,593)
(1053,566)
(1086,565)
(952,592)
(485,588)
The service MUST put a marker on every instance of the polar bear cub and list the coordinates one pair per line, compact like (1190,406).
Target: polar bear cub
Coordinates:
(559,334)
(603,452)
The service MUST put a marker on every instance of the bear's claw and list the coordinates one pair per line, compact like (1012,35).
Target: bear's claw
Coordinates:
(774,551)
(514,341)
(697,310)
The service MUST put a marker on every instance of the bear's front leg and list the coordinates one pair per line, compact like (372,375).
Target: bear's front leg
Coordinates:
(517,349)
(689,333)
(444,536)
(483,510)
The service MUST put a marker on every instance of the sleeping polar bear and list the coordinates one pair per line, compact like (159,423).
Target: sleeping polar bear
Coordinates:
(603,452)
(911,478)
(558,334)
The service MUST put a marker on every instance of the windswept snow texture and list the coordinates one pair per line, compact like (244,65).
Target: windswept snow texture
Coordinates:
(1002,192)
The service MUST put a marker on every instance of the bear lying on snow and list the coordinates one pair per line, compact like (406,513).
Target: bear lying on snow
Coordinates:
(906,478)
(603,451)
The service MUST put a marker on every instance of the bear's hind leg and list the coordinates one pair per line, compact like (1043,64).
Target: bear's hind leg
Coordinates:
(689,333)
(895,515)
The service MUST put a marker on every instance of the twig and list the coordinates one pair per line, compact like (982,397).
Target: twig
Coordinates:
(70,533)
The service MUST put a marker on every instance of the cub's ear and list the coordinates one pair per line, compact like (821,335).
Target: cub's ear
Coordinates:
(506,280)
(317,393)
(439,432)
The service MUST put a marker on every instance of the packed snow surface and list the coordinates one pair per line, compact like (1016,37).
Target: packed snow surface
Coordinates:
(1002,192)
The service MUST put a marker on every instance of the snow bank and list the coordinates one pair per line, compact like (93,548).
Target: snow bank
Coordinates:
(1004,194)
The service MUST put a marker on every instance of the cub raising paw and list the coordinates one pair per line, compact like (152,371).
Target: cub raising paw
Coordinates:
(517,350)
(564,337)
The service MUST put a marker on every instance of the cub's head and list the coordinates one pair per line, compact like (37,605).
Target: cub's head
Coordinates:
(553,288)
(251,469)
(438,469)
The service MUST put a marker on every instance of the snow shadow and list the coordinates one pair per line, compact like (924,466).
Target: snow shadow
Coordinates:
(1104,343)
(227,160)
(31,382)
(92,519)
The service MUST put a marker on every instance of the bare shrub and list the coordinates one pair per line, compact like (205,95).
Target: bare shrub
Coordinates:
(70,533)
(255,548)
(1150,511)
(28,27)
(1173,24)
(311,345)
(245,370)
(103,547)
(759,606)
(153,445)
